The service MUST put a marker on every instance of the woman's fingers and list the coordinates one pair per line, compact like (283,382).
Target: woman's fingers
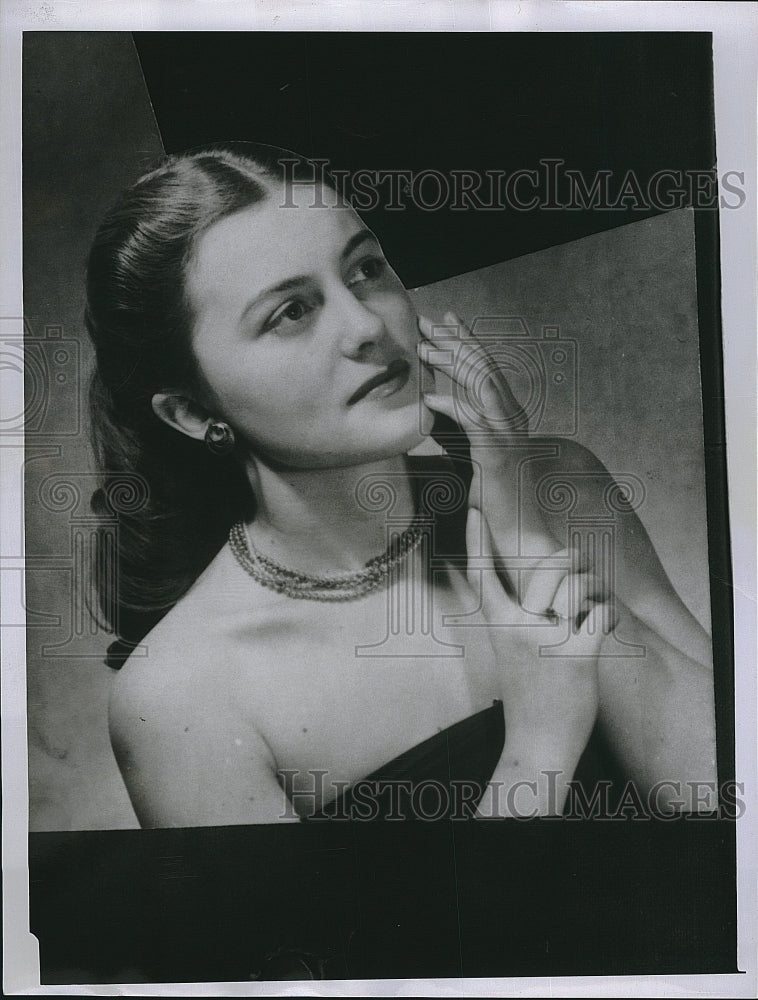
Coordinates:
(441,404)
(479,544)
(578,597)
(474,543)
(483,396)
(584,641)
(469,402)
(598,622)
(559,587)
(496,595)
(451,344)
(425,325)
(576,594)
(442,354)
(452,319)
(545,579)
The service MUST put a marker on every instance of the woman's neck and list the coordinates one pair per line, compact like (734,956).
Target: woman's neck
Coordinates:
(324,520)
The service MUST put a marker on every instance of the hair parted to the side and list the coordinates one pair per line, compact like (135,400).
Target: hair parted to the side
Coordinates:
(140,320)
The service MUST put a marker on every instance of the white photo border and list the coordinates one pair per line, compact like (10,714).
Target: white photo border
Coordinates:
(734,26)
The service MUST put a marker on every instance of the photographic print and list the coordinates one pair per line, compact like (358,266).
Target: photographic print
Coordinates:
(377,568)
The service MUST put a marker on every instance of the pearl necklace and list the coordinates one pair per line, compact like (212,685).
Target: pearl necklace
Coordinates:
(343,587)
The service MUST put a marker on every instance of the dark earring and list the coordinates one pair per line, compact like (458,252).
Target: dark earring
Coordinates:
(219,437)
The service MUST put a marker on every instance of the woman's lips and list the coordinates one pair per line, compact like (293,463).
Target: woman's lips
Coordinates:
(385,382)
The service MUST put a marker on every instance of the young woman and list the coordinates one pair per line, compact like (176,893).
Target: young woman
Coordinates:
(307,616)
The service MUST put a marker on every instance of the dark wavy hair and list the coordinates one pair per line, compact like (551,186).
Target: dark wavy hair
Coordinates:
(139,318)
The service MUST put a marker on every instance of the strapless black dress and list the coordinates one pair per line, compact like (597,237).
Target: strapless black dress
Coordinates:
(438,781)
(444,777)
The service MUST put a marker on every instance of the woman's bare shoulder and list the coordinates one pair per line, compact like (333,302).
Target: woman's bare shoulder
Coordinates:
(187,709)
(194,651)
(185,729)
(567,455)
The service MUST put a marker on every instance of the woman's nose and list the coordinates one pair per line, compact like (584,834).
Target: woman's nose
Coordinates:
(361,327)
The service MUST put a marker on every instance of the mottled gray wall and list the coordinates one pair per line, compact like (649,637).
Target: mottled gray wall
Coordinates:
(88,132)
(627,297)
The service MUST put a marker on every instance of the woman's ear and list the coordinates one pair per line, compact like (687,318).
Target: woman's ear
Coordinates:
(182,413)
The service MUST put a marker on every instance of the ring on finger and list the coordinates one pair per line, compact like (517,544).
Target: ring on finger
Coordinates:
(552,616)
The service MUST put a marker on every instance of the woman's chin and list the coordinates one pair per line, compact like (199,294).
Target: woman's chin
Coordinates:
(406,427)
(415,441)
(389,435)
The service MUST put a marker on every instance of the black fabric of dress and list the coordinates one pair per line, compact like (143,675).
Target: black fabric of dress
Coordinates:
(445,776)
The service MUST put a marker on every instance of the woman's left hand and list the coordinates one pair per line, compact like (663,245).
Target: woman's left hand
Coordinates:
(482,403)
(667,659)
(481,400)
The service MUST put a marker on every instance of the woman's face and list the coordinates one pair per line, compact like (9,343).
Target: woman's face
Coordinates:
(296,312)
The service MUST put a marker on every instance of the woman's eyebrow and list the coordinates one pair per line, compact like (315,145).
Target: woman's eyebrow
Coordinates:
(283,286)
(362,236)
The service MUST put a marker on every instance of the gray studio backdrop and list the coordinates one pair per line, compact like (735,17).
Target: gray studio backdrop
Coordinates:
(622,302)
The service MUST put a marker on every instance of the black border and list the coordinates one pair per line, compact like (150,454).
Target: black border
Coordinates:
(544,898)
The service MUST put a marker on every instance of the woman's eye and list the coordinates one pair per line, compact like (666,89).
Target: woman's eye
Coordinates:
(368,270)
(291,312)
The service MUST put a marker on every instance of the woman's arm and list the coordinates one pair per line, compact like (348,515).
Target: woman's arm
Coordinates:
(656,707)
(640,580)
(549,703)
(657,712)
(510,466)
(186,756)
